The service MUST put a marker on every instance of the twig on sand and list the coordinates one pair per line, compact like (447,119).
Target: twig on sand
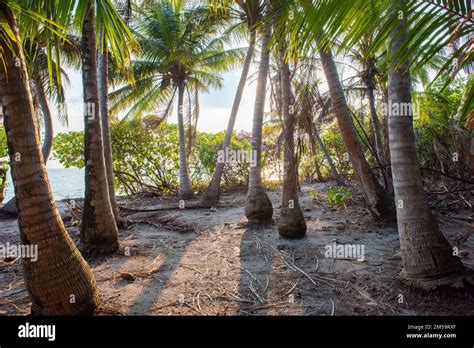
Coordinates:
(293,266)
(292,288)
(261,299)
(12,303)
(283,304)
(268,283)
(250,273)
(196,296)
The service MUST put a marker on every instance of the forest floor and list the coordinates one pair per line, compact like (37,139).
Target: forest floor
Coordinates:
(209,262)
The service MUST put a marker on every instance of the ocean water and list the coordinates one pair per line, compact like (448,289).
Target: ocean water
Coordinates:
(65,183)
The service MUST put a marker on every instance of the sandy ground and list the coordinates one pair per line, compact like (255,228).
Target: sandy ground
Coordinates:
(206,262)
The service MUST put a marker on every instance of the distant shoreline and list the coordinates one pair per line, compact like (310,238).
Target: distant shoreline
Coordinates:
(66,183)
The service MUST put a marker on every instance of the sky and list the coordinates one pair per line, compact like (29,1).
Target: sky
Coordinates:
(215,106)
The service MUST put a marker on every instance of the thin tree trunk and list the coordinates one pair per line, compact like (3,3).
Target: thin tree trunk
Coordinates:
(376,125)
(103,65)
(377,200)
(379,150)
(386,137)
(48,121)
(98,230)
(3,181)
(314,154)
(211,195)
(323,147)
(59,282)
(185,190)
(258,207)
(427,256)
(291,223)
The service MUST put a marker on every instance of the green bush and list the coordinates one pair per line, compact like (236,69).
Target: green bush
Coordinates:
(338,195)
(146,157)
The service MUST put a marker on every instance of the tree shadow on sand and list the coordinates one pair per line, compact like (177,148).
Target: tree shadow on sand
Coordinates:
(256,268)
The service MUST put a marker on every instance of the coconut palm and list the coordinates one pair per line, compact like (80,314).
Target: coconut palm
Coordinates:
(60,281)
(124,8)
(179,53)
(311,108)
(258,207)
(377,200)
(103,67)
(427,256)
(291,223)
(251,10)
(415,32)
(43,88)
(98,228)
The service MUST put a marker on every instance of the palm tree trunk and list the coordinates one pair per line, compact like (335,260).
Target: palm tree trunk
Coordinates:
(258,207)
(386,140)
(427,256)
(98,230)
(376,125)
(314,154)
(10,208)
(185,190)
(211,195)
(3,181)
(377,200)
(48,121)
(323,147)
(60,282)
(379,150)
(103,65)
(291,223)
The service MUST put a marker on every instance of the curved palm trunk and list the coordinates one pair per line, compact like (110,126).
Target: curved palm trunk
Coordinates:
(98,230)
(211,195)
(258,206)
(60,282)
(377,200)
(10,208)
(291,223)
(103,64)
(185,190)
(427,257)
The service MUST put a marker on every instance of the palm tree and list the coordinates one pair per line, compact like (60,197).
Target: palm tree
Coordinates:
(258,207)
(103,66)
(427,256)
(252,12)
(291,223)
(377,200)
(179,53)
(43,87)
(99,231)
(308,100)
(60,282)
(124,8)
